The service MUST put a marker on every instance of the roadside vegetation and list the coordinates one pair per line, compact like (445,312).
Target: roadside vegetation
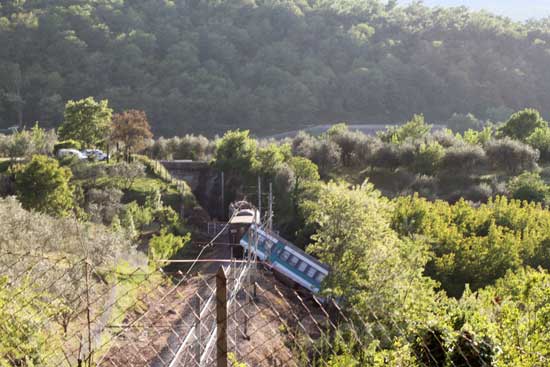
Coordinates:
(433,237)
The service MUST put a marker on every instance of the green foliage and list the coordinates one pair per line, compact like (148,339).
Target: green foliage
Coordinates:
(137,216)
(511,156)
(478,137)
(519,304)
(416,128)
(269,160)
(86,121)
(67,144)
(25,339)
(530,187)
(166,245)
(428,158)
(540,139)
(26,143)
(522,124)
(474,246)
(369,263)
(43,185)
(236,153)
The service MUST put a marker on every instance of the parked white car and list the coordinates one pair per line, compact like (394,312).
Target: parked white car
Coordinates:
(96,154)
(71,152)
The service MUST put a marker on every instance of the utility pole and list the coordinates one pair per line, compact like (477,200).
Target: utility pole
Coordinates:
(260,197)
(270,213)
(247,287)
(221,318)
(223,196)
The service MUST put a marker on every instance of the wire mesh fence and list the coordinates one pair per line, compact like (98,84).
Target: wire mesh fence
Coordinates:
(63,310)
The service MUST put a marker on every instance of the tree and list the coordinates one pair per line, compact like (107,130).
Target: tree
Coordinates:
(371,268)
(460,123)
(269,159)
(86,121)
(236,153)
(511,156)
(416,128)
(132,130)
(428,158)
(530,187)
(43,185)
(540,139)
(522,124)
(464,159)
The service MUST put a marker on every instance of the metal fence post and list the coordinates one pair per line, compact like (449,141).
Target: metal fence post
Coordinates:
(221,318)
(198,339)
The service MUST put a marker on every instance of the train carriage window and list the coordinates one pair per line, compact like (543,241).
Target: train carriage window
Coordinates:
(311,272)
(302,267)
(294,260)
(285,255)
(320,276)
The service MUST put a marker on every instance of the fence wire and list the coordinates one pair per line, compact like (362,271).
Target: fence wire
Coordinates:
(65,311)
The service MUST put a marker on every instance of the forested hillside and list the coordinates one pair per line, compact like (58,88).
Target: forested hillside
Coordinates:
(207,66)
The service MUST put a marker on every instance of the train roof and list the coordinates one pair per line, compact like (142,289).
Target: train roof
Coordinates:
(245,216)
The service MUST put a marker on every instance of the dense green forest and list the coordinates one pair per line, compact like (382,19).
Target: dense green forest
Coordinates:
(207,66)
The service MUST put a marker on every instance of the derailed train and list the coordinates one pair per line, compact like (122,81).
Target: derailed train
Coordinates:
(281,255)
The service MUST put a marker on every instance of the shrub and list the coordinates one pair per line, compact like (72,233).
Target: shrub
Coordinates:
(460,123)
(166,245)
(530,187)
(479,193)
(303,145)
(138,216)
(129,172)
(445,138)
(67,144)
(414,129)
(463,159)
(511,156)
(386,157)
(44,186)
(103,204)
(428,158)
(522,124)
(326,155)
(540,139)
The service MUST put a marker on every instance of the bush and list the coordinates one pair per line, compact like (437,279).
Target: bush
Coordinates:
(129,172)
(428,158)
(511,156)
(326,155)
(522,124)
(540,139)
(135,215)
(463,159)
(479,193)
(529,187)
(459,123)
(103,204)
(303,145)
(386,157)
(43,185)
(166,245)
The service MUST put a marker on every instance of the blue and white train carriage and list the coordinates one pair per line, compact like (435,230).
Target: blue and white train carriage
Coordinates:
(287,259)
